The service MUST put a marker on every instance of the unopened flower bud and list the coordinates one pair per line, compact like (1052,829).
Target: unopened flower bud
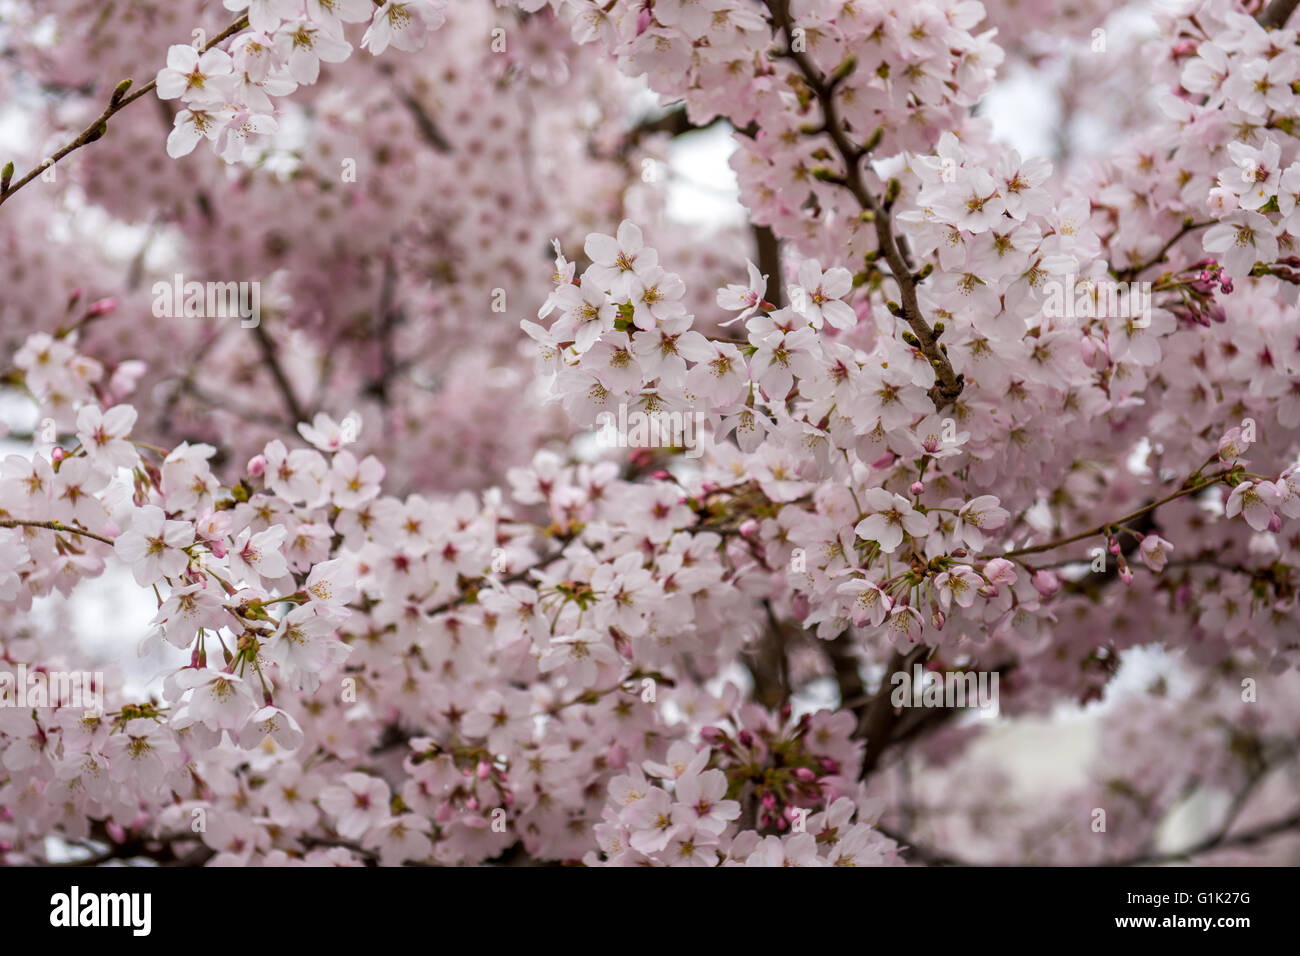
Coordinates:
(1045,583)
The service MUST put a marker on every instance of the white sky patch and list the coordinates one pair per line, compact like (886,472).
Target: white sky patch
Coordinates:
(1024,110)
(111,615)
(702,187)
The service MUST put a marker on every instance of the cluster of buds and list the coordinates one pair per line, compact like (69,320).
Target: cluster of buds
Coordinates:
(774,770)
(1195,288)
(1288,269)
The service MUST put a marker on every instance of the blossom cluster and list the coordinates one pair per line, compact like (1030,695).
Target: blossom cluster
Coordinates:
(407,613)
(226,94)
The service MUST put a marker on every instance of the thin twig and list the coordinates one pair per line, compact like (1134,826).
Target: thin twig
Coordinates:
(948,386)
(117,102)
(52,526)
(281,380)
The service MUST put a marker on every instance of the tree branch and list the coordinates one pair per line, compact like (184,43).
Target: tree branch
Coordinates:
(117,102)
(1276,14)
(878,718)
(769,263)
(53,526)
(949,385)
(1101,529)
(281,380)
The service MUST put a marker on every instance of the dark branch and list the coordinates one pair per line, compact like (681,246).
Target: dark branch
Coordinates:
(117,102)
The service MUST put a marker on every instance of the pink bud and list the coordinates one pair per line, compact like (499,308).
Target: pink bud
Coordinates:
(917,487)
(57,454)
(484,770)
(806,775)
(1000,571)
(1114,546)
(712,735)
(102,307)
(1046,583)
(1275,523)
(799,605)
(1087,349)
(257,466)
(1126,575)
(1093,353)
(769,800)
(616,757)
(748,528)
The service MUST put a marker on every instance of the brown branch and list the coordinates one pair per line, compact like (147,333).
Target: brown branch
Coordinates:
(53,526)
(1276,14)
(281,380)
(425,124)
(878,718)
(1189,226)
(853,693)
(770,666)
(117,102)
(1101,529)
(769,263)
(675,123)
(949,385)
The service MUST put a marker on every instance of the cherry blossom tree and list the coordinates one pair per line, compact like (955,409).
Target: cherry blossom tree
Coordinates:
(319,315)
